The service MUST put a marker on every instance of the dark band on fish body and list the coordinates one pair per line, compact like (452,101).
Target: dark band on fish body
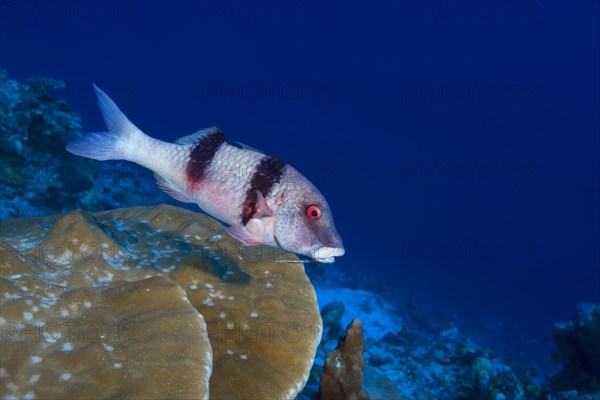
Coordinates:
(202,154)
(267,174)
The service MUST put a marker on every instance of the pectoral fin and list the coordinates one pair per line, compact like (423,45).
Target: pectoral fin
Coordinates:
(166,186)
(262,208)
(242,234)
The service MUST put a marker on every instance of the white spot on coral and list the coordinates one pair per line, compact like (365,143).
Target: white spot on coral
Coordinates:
(208,302)
(104,245)
(3,373)
(27,316)
(28,302)
(87,303)
(107,347)
(33,379)
(193,286)
(52,336)
(253,315)
(107,278)
(11,386)
(222,315)
(208,285)
(64,258)
(267,272)
(74,306)
(230,326)
(219,295)
(35,309)
(229,352)
(65,377)
(269,285)
(117,365)
(197,237)
(244,356)
(29,396)
(15,276)
(35,359)
(67,346)
(231,297)
(64,312)
(2,320)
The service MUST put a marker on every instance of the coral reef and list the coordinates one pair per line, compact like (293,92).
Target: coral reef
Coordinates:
(342,375)
(578,350)
(159,302)
(417,355)
(38,177)
(164,279)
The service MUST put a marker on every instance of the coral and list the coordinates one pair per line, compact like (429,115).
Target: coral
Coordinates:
(154,274)
(91,337)
(418,355)
(578,349)
(34,128)
(342,376)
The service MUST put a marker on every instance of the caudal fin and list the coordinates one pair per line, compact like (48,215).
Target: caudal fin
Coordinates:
(113,144)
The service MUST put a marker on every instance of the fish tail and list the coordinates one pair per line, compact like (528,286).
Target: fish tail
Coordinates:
(117,143)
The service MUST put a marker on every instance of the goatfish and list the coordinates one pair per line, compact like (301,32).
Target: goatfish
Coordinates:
(261,198)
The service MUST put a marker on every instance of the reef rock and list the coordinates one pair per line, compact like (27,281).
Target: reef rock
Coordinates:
(147,303)
(342,376)
(578,349)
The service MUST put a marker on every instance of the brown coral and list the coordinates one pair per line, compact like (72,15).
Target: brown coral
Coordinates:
(343,372)
(138,270)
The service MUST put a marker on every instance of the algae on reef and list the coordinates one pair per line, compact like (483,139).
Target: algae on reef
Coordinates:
(150,302)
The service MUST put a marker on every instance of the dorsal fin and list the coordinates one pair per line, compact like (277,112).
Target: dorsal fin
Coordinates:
(166,186)
(246,147)
(196,136)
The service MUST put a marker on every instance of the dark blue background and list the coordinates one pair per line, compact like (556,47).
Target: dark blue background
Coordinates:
(458,143)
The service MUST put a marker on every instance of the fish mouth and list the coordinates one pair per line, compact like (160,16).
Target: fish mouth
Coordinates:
(327,254)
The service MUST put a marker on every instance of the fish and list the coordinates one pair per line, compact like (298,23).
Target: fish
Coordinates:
(261,198)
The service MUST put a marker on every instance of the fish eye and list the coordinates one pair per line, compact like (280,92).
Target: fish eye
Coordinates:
(313,212)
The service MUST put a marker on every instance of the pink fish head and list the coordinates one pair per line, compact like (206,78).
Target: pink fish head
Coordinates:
(304,225)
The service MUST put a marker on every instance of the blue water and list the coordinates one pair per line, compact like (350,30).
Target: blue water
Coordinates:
(457,143)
